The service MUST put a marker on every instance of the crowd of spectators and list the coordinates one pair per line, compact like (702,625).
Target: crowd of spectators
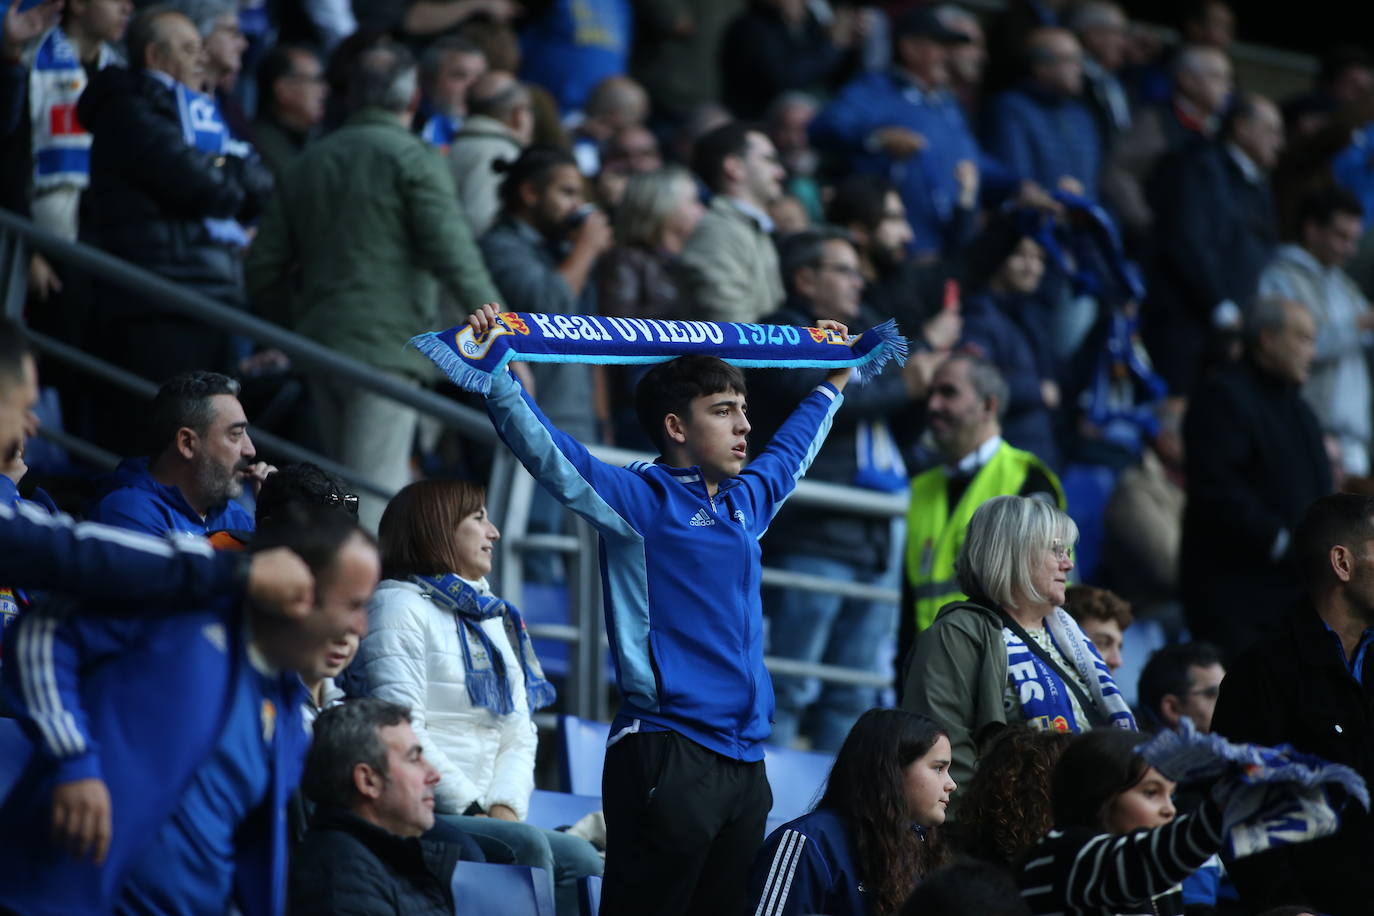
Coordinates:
(1137,296)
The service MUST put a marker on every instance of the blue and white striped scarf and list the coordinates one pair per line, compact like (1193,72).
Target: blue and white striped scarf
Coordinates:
(61,146)
(1046,701)
(203,127)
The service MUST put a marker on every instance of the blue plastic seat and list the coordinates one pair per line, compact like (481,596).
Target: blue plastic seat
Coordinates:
(796,778)
(552,810)
(582,744)
(589,895)
(487,889)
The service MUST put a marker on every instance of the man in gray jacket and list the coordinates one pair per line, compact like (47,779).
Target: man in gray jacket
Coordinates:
(499,126)
(730,267)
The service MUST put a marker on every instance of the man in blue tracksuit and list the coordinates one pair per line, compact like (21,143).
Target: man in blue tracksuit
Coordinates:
(167,746)
(684,789)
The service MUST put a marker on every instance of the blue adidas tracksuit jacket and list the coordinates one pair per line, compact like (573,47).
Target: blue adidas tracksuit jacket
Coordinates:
(132,498)
(140,703)
(680,569)
(807,866)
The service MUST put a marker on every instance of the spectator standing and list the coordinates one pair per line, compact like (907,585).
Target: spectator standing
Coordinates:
(730,265)
(448,68)
(637,278)
(682,837)
(182,810)
(1310,272)
(573,45)
(365,217)
(676,54)
(1010,653)
(1041,130)
(1181,680)
(1309,684)
(168,189)
(1144,523)
(874,834)
(631,150)
(823,278)
(1103,616)
(904,122)
(1007,34)
(1202,86)
(615,103)
(499,125)
(1207,270)
(541,258)
(963,412)
(374,792)
(788,119)
(1008,322)
(291,99)
(459,659)
(20,27)
(1101,27)
(200,456)
(224,44)
(1255,460)
(967,60)
(778,46)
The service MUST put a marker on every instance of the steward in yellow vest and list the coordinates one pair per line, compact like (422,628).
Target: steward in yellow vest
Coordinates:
(966,397)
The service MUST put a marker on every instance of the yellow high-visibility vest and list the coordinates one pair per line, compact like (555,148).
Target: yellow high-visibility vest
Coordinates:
(933,533)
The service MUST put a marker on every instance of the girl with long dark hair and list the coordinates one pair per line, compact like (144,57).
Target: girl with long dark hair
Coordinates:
(875,832)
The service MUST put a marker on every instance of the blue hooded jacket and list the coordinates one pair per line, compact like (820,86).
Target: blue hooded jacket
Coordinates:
(131,498)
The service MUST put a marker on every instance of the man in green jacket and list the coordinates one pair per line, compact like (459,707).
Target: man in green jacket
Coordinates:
(363,224)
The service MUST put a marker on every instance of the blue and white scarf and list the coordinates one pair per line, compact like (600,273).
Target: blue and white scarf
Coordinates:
(61,146)
(1046,701)
(487,680)
(203,127)
(1270,796)
(470,361)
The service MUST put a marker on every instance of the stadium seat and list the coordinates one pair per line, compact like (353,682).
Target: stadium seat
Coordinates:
(486,889)
(796,778)
(15,750)
(589,895)
(552,810)
(582,745)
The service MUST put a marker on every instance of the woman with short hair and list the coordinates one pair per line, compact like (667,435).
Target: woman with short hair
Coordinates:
(875,832)
(1010,653)
(459,658)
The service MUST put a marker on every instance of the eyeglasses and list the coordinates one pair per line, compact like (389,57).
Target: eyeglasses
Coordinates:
(348,500)
(1060,550)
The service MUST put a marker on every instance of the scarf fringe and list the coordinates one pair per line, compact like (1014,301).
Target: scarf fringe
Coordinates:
(465,376)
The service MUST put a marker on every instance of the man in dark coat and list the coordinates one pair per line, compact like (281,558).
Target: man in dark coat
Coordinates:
(1255,459)
(1215,230)
(1313,685)
(374,793)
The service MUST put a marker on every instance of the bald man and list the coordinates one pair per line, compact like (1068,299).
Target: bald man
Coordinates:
(499,125)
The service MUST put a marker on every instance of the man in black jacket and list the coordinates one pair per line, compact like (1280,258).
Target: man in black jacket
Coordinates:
(1255,460)
(374,793)
(164,201)
(1313,685)
(1215,229)
(822,276)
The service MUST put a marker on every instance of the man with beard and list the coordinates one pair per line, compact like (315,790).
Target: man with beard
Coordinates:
(1310,683)
(199,457)
(968,397)
(896,286)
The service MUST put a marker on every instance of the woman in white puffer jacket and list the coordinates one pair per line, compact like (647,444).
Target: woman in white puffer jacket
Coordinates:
(442,644)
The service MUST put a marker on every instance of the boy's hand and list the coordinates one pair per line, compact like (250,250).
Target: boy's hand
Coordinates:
(837,377)
(482,320)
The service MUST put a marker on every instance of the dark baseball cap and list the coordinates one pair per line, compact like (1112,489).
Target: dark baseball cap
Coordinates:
(923,23)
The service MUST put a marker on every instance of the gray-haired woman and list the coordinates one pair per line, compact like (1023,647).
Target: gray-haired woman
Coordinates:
(1010,653)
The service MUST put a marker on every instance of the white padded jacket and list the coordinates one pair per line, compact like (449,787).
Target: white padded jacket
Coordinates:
(411,655)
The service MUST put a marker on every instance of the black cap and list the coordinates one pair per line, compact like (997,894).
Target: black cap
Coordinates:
(923,23)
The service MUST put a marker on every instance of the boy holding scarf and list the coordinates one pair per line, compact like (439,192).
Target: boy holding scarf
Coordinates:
(684,791)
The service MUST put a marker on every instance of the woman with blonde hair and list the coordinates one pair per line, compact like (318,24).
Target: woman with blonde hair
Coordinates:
(1010,653)
(459,658)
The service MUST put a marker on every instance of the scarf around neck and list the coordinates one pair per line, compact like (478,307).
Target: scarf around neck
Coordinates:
(487,681)
(1044,694)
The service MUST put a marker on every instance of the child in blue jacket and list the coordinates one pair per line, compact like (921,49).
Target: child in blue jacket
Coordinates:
(684,790)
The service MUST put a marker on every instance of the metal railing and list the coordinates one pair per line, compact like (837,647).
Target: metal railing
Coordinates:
(510,489)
